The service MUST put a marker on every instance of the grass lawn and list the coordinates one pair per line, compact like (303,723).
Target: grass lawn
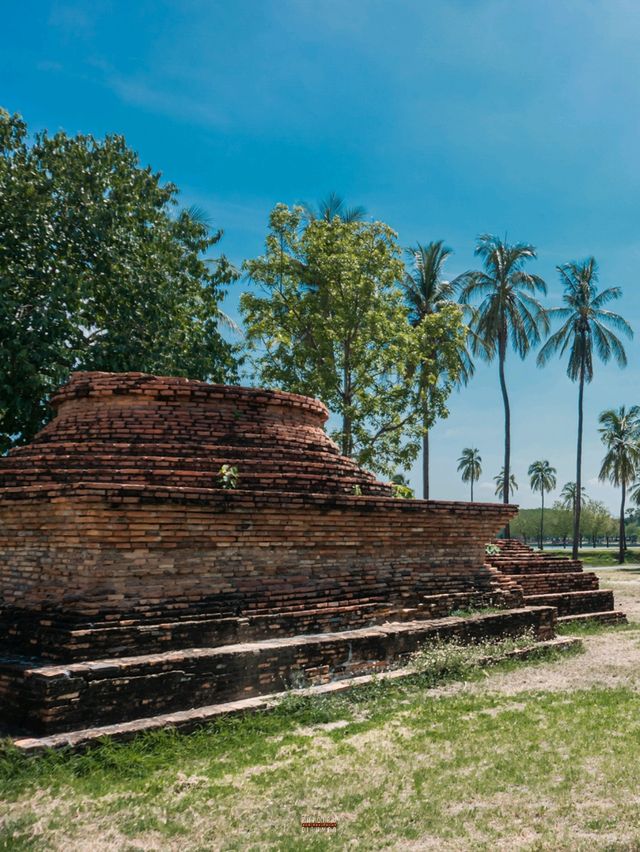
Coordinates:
(599,558)
(395,765)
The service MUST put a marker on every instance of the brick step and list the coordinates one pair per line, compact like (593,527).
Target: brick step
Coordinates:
(248,478)
(190,720)
(572,603)
(531,566)
(200,447)
(540,584)
(135,636)
(54,698)
(54,638)
(614,616)
(43,462)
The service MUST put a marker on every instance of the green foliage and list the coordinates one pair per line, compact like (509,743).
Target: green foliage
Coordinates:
(596,522)
(452,659)
(586,322)
(228,476)
(500,482)
(401,488)
(330,321)
(508,310)
(586,328)
(542,476)
(620,433)
(98,271)
(470,466)
(568,495)
(505,313)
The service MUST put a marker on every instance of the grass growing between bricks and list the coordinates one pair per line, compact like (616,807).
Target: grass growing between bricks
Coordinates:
(392,763)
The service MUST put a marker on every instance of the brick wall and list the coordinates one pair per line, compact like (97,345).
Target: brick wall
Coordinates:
(91,549)
(117,509)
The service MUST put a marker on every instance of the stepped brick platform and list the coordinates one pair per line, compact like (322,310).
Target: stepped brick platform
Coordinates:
(51,698)
(549,580)
(134,580)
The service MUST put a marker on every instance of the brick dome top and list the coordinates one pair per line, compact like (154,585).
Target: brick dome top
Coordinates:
(134,428)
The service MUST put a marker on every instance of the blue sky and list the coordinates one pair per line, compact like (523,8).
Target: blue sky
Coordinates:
(445,119)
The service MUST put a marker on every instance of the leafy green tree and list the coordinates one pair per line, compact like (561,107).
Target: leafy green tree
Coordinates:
(560,523)
(99,270)
(427,293)
(620,433)
(596,521)
(586,327)
(470,466)
(526,525)
(542,477)
(500,483)
(329,320)
(507,312)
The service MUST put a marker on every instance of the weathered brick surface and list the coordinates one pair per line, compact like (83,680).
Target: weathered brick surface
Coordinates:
(54,698)
(551,580)
(123,557)
(88,535)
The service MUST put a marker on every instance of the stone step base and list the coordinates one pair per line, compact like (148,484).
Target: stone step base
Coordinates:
(610,617)
(48,698)
(534,565)
(573,603)
(189,720)
(553,583)
(50,637)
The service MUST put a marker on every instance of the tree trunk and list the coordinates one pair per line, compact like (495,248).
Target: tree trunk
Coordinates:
(425,465)
(347,438)
(542,523)
(622,534)
(502,352)
(578,501)
(472,489)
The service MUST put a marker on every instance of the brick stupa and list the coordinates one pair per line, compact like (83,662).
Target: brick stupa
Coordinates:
(135,579)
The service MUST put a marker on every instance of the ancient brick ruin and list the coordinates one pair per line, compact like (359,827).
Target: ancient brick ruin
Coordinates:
(550,580)
(137,579)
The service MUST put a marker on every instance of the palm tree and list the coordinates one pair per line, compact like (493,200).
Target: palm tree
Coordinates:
(568,495)
(427,293)
(470,465)
(585,327)
(508,312)
(500,484)
(634,493)
(620,433)
(331,206)
(542,477)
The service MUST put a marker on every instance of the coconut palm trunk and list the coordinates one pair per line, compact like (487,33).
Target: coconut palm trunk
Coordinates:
(622,536)
(578,498)
(502,352)
(542,522)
